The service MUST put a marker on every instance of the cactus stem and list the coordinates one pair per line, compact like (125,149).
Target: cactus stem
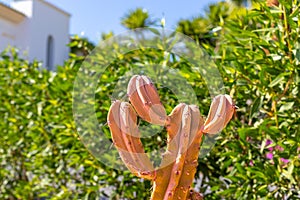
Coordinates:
(185,128)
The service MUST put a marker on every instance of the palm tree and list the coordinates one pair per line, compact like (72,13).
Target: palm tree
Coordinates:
(218,13)
(205,29)
(197,28)
(242,3)
(138,18)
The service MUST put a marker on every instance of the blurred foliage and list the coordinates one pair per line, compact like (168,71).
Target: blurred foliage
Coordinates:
(138,18)
(105,36)
(259,58)
(241,2)
(81,46)
(205,29)
(256,156)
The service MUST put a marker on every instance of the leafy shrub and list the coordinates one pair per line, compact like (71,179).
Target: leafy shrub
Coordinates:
(256,157)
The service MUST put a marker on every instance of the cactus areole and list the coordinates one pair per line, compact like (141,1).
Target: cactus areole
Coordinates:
(185,127)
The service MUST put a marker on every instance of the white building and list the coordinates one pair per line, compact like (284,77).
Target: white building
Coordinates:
(37,28)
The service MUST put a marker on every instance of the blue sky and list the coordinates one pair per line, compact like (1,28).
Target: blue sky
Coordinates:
(92,17)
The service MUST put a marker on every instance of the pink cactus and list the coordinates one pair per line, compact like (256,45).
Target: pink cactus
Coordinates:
(185,128)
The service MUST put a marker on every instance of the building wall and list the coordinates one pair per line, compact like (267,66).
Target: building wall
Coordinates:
(32,34)
(14,35)
(48,22)
(8,33)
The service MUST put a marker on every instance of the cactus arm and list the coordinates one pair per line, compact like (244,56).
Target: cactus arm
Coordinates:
(136,100)
(144,98)
(191,161)
(220,113)
(121,121)
(161,181)
(132,135)
(157,111)
(126,126)
(117,135)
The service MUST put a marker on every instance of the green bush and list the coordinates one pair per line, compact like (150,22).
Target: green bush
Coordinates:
(256,156)
(259,153)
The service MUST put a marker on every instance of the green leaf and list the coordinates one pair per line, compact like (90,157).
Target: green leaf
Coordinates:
(279,79)
(242,134)
(298,54)
(287,106)
(256,106)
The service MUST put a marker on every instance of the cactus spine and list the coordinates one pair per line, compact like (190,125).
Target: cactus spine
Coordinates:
(185,127)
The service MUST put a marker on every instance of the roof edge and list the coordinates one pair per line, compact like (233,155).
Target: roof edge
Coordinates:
(11,14)
(55,7)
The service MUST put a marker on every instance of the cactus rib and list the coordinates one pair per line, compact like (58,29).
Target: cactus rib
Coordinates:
(122,123)
(144,98)
(161,181)
(191,161)
(220,113)
(184,133)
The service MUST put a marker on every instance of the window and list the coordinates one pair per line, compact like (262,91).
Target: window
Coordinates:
(50,53)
